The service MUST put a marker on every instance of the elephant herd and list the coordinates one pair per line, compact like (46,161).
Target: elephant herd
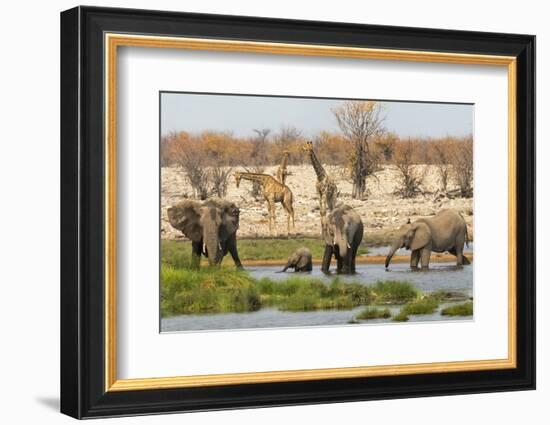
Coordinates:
(212,226)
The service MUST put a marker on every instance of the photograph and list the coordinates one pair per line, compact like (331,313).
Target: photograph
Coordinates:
(281,211)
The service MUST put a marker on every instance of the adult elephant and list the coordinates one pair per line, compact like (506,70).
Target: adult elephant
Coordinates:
(212,227)
(343,235)
(300,261)
(446,231)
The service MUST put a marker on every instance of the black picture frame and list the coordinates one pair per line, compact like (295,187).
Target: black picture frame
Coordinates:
(83,392)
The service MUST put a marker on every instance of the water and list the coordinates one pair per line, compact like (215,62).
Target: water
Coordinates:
(273,318)
(383,250)
(439,276)
(444,276)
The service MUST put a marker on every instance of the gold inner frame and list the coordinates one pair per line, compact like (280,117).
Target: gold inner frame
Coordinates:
(113,41)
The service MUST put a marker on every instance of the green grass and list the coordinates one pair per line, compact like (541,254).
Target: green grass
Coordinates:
(401,317)
(370,313)
(394,292)
(421,306)
(209,290)
(464,309)
(442,295)
(224,289)
(178,253)
(306,294)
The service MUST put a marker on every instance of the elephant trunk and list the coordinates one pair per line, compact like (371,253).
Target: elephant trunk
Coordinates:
(341,240)
(211,240)
(285,268)
(212,243)
(396,245)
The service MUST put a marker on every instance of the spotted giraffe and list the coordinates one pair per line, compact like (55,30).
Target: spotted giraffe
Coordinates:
(326,188)
(281,171)
(273,191)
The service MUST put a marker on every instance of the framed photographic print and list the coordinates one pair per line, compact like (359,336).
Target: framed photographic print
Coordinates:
(261,212)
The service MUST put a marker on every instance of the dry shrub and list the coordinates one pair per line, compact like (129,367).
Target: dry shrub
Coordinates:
(208,157)
(385,145)
(441,159)
(331,148)
(193,163)
(411,174)
(462,161)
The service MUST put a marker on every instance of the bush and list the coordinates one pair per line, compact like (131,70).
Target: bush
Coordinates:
(464,309)
(370,313)
(411,175)
(305,294)
(421,306)
(401,317)
(209,290)
(462,161)
(394,292)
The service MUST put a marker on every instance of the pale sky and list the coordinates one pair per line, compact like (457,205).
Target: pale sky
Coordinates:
(241,114)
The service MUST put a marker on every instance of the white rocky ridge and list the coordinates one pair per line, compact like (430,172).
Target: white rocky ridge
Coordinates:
(381,210)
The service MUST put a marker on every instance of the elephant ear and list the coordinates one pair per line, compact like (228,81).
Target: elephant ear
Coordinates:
(230,219)
(328,233)
(185,216)
(422,236)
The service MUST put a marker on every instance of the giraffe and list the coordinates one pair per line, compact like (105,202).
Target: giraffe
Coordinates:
(281,171)
(273,191)
(326,188)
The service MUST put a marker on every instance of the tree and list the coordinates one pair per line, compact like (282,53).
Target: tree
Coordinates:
(331,148)
(288,139)
(360,123)
(258,158)
(218,151)
(219,177)
(192,160)
(442,162)
(386,145)
(462,161)
(259,154)
(411,176)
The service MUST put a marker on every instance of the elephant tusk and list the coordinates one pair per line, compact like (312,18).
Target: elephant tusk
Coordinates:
(220,246)
(203,247)
(349,246)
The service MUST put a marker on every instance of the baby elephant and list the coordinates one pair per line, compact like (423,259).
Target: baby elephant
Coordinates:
(300,261)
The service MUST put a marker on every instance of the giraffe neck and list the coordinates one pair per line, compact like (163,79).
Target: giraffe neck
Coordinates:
(317,166)
(284,162)
(255,177)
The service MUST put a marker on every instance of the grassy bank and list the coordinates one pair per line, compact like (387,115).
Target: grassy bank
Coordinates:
(255,249)
(185,291)
(465,309)
(371,313)
(225,289)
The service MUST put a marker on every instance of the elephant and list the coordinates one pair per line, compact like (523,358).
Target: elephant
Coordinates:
(446,231)
(212,227)
(300,261)
(343,235)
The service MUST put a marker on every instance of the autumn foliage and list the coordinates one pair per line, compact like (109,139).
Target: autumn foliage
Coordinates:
(208,158)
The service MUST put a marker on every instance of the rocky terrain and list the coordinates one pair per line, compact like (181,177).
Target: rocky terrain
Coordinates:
(381,210)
